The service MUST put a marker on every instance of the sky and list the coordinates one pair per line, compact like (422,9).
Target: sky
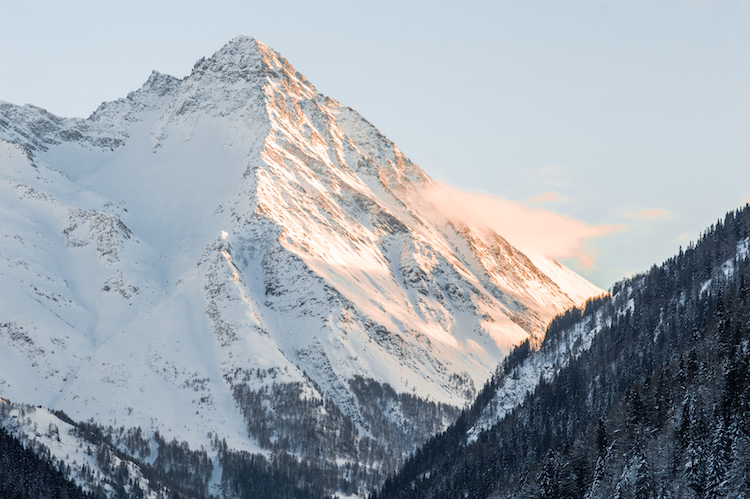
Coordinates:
(618,131)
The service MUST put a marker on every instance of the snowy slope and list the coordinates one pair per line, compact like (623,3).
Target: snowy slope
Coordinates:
(45,433)
(543,364)
(205,241)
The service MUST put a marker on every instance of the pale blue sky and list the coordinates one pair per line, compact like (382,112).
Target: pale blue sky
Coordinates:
(624,110)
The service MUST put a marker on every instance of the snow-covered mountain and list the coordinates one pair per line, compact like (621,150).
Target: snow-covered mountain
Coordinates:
(233,255)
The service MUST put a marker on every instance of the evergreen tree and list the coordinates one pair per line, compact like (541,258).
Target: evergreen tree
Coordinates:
(717,462)
(644,488)
(549,477)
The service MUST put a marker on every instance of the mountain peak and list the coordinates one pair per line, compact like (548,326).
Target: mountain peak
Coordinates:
(160,83)
(244,58)
(238,55)
(258,243)
(242,41)
(237,47)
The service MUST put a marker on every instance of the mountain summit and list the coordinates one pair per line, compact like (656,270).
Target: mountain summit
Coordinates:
(233,255)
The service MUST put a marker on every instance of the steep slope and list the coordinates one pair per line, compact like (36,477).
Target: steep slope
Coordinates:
(643,393)
(25,475)
(233,255)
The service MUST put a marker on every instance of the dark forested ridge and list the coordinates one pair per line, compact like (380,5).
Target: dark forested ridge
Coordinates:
(26,475)
(657,406)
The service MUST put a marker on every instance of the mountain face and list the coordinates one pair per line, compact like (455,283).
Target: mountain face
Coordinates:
(642,393)
(233,256)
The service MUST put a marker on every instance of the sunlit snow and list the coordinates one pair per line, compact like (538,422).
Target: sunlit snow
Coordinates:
(237,220)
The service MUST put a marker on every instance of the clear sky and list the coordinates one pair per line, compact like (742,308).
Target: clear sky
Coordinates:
(632,116)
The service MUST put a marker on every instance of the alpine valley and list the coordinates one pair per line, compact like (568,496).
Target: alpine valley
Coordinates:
(231,285)
(643,393)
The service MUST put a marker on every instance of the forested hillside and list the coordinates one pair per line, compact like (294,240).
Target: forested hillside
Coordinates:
(656,406)
(45,454)
(26,475)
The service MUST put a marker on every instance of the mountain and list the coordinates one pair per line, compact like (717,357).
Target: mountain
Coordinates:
(641,393)
(234,257)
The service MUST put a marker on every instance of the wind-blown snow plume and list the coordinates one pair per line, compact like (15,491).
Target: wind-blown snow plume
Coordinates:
(534,231)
